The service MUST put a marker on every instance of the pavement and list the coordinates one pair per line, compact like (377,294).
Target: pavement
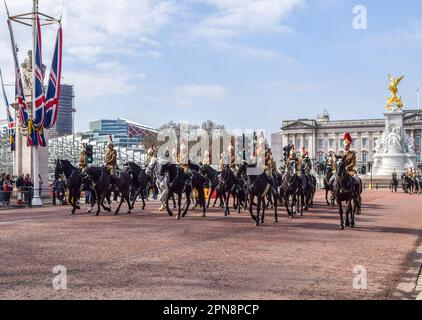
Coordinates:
(148,255)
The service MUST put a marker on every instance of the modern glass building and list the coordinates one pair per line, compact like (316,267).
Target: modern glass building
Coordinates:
(123,132)
(65,119)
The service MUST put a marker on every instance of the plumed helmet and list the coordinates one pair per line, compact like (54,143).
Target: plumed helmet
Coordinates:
(347,139)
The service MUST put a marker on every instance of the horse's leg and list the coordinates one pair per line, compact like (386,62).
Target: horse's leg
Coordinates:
(179,200)
(349,205)
(263,209)
(93,200)
(143,200)
(354,211)
(187,204)
(251,196)
(202,202)
(104,197)
(275,196)
(122,199)
(99,201)
(167,203)
(137,193)
(287,204)
(174,201)
(209,198)
(222,199)
(72,201)
(258,209)
(227,212)
(341,214)
(126,197)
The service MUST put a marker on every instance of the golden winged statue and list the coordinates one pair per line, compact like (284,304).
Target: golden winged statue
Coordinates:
(394,102)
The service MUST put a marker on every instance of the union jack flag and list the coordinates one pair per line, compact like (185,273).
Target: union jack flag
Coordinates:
(10,121)
(39,98)
(52,95)
(19,93)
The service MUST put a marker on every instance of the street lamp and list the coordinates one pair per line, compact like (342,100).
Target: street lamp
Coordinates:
(370,170)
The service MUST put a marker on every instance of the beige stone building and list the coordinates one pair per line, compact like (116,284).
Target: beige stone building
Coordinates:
(321,135)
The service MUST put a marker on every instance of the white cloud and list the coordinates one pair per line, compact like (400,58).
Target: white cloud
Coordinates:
(204,91)
(237,17)
(106,79)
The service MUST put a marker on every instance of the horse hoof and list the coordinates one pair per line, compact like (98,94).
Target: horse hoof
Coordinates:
(275,220)
(97,214)
(347,224)
(78,207)
(129,212)
(116,214)
(341,227)
(257,224)
(178,218)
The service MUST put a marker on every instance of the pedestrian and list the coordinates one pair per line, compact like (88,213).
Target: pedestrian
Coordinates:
(20,188)
(40,184)
(2,178)
(7,190)
(29,190)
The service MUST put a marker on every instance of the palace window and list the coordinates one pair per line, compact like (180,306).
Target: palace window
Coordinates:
(321,143)
(418,157)
(364,156)
(331,143)
(418,141)
(364,142)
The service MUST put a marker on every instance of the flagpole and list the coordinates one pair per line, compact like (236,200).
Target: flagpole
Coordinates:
(36,200)
(419,95)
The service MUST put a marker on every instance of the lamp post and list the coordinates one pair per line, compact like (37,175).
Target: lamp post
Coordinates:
(370,170)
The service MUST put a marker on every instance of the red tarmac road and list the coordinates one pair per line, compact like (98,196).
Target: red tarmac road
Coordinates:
(152,256)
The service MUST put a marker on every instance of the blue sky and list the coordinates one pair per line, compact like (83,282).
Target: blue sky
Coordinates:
(242,63)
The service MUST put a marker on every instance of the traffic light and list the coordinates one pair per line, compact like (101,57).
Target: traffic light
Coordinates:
(90,154)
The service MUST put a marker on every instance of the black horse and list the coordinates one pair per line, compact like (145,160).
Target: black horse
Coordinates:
(347,189)
(310,184)
(74,181)
(122,182)
(394,184)
(227,187)
(328,186)
(292,190)
(212,176)
(141,181)
(99,179)
(177,184)
(258,186)
(407,184)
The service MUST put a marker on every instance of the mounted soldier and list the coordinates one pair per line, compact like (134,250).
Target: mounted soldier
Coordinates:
(83,159)
(150,155)
(306,161)
(349,155)
(111,157)
(293,156)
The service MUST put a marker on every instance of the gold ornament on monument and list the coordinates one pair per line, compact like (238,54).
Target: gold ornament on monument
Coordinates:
(394,102)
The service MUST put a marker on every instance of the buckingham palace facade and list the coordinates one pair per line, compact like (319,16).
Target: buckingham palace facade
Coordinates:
(322,135)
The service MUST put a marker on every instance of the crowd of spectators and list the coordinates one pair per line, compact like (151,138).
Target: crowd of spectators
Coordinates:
(22,186)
